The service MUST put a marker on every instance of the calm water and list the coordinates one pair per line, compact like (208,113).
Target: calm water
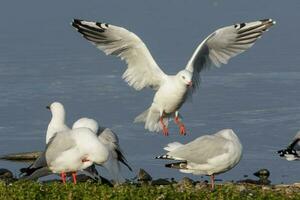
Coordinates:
(42,59)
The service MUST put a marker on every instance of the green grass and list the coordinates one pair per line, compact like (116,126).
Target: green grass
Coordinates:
(33,190)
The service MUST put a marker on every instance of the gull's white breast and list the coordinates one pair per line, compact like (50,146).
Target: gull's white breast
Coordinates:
(170,96)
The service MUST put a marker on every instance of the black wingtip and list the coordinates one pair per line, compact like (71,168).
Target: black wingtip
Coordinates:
(28,171)
(122,158)
(177,165)
(169,165)
(77,21)
(281,152)
(162,157)
(268,20)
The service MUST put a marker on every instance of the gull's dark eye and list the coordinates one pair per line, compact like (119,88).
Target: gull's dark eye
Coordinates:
(183,77)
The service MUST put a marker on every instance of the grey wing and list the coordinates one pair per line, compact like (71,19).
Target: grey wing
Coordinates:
(142,70)
(108,135)
(60,142)
(219,47)
(112,141)
(201,149)
(40,161)
(297,135)
(295,144)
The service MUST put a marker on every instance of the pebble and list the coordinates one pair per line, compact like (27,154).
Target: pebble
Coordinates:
(144,176)
(160,181)
(296,185)
(186,181)
(5,174)
(241,188)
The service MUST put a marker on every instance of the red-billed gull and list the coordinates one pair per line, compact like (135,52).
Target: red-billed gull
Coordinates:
(171,90)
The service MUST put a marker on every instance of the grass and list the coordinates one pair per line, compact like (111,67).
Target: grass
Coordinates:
(34,190)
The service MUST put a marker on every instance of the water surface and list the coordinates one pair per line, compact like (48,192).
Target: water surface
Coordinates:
(42,59)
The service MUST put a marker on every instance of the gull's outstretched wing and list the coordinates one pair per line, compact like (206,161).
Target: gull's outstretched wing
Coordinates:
(224,44)
(142,70)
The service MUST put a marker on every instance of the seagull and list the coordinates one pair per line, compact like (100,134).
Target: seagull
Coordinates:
(171,90)
(206,155)
(107,137)
(74,150)
(57,124)
(292,152)
(58,120)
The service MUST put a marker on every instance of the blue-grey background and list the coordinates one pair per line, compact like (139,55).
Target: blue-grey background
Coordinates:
(43,59)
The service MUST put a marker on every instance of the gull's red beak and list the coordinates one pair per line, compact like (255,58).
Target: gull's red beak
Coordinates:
(190,84)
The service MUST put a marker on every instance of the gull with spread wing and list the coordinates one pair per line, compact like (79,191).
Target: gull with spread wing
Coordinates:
(171,90)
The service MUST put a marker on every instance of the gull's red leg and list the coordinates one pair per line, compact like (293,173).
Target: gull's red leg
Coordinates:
(74,177)
(63,177)
(182,129)
(165,129)
(212,180)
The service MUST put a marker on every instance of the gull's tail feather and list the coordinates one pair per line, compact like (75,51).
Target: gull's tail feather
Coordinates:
(151,119)
(172,146)
(113,167)
(142,117)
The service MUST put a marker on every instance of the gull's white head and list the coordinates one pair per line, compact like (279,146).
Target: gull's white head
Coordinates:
(57,111)
(57,122)
(186,77)
(86,123)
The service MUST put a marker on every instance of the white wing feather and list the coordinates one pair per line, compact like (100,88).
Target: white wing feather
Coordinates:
(142,70)
(224,44)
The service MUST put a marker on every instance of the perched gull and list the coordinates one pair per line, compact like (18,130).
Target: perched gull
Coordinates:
(207,155)
(292,152)
(58,120)
(171,90)
(111,141)
(74,150)
(57,124)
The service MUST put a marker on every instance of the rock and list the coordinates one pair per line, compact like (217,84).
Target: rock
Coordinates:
(185,181)
(280,186)
(161,181)
(296,185)
(143,176)
(266,188)
(22,157)
(5,174)
(241,188)
(262,174)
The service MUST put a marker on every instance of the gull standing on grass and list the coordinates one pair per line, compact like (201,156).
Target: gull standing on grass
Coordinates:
(111,141)
(206,155)
(171,90)
(292,152)
(57,124)
(74,150)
